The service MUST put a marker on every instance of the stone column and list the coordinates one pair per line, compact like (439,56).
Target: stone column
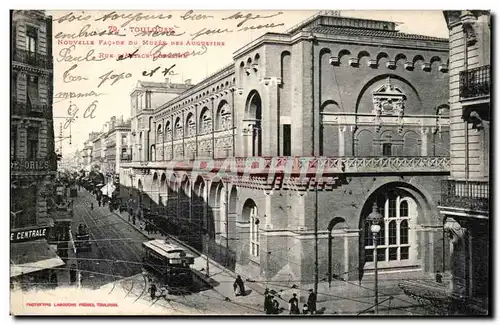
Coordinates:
(342,131)
(424,137)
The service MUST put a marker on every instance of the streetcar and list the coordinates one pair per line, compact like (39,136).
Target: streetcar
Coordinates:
(169,263)
(83,243)
(72,191)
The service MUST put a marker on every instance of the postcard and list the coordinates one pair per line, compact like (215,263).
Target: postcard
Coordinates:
(235,162)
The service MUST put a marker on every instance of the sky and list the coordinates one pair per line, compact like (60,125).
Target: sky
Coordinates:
(114,80)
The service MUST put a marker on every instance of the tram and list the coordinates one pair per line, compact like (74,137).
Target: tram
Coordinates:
(170,263)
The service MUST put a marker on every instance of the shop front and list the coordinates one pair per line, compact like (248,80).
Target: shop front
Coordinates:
(33,263)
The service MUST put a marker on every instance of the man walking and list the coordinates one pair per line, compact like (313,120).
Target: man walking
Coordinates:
(152,290)
(294,305)
(311,301)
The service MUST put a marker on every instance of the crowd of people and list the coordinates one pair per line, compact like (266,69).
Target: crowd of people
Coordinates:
(272,306)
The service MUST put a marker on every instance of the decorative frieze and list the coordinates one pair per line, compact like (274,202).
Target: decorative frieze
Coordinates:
(391,64)
(426,66)
(334,60)
(409,66)
(353,62)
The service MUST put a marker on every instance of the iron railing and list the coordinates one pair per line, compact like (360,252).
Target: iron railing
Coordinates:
(33,59)
(306,165)
(475,82)
(470,195)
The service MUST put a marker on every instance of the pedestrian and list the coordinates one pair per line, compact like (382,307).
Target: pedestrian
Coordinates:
(276,307)
(91,205)
(268,302)
(311,301)
(133,219)
(305,310)
(53,279)
(240,284)
(152,290)
(99,202)
(439,277)
(148,228)
(294,305)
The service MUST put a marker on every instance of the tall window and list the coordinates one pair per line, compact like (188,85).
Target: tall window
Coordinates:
(31,39)
(287,140)
(13,141)
(393,242)
(387,149)
(32,149)
(254,232)
(33,98)
(13,87)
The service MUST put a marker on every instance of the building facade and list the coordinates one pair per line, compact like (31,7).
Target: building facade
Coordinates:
(356,102)
(32,152)
(117,140)
(465,194)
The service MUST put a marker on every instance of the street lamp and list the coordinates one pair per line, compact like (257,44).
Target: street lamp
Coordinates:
(374,219)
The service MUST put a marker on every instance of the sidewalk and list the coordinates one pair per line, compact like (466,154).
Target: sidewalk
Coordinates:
(63,277)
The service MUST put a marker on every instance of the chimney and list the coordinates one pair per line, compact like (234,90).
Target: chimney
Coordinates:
(187,82)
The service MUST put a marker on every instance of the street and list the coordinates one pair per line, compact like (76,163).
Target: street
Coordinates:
(114,262)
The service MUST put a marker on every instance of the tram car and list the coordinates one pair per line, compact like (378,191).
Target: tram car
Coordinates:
(83,243)
(169,263)
(72,191)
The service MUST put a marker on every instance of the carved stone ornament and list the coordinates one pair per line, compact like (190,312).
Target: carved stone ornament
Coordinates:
(389,100)
(454,229)
(470,34)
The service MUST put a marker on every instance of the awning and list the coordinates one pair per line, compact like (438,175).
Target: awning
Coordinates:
(32,256)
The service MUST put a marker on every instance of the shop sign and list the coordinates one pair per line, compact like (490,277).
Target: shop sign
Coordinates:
(28,235)
(31,165)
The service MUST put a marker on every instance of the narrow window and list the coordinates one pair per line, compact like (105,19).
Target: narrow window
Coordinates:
(287,140)
(387,149)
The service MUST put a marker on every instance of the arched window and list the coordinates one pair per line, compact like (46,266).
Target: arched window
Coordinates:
(159,134)
(254,232)
(178,129)
(394,238)
(168,131)
(205,121)
(190,125)
(223,119)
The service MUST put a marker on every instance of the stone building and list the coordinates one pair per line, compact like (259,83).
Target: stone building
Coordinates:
(466,193)
(117,140)
(362,106)
(32,154)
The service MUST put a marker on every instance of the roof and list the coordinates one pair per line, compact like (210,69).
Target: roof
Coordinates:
(374,33)
(154,84)
(165,249)
(32,256)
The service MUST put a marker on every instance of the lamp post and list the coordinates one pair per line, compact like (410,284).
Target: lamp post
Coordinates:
(375,218)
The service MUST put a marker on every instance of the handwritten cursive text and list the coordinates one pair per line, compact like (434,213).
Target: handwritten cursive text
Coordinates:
(65,56)
(115,77)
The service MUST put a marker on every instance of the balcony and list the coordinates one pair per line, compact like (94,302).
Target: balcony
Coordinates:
(307,166)
(25,110)
(467,195)
(33,59)
(475,83)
